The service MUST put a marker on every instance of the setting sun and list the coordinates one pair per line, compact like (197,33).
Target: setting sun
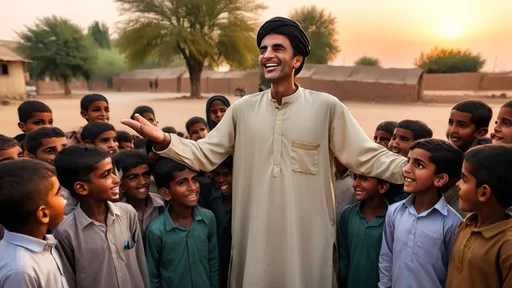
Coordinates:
(452,32)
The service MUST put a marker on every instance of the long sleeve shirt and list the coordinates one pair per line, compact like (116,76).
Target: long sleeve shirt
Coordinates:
(180,257)
(416,247)
(283,176)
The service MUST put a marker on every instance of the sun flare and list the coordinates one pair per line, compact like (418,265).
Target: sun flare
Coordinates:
(452,32)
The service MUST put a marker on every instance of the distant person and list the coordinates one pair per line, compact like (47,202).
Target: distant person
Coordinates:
(93,108)
(45,143)
(216,107)
(503,129)
(146,112)
(384,133)
(125,140)
(10,149)
(469,120)
(150,85)
(32,114)
(407,132)
(156,84)
(102,135)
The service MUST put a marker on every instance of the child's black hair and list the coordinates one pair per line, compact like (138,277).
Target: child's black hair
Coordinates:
(75,163)
(164,170)
(387,126)
(141,110)
(227,163)
(123,136)
(193,121)
(139,144)
(88,99)
(34,139)
(93,130)
(169,129)
(481,113)
(24,187)
(221,98)
(126,160)
(490,165)
(482,141)
(419,129)
(447,158)
(507,105)
(7,143)
(29,107)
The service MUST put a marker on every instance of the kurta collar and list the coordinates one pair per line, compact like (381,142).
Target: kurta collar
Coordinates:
(488,231)
(377,220)
(286,100)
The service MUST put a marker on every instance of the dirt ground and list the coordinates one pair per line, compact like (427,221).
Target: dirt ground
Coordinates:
(173,111)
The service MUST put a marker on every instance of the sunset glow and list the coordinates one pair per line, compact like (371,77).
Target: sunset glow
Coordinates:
(452,32)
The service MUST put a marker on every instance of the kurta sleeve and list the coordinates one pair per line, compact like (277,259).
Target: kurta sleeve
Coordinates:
(386,251)
(213,252)
(344,258)
(153,252)
(358,152)
(205,154)
(505,260)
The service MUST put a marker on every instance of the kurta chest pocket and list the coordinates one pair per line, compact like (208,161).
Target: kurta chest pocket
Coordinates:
(304,157)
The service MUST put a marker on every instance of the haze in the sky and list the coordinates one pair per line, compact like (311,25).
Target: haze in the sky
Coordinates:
(395,31)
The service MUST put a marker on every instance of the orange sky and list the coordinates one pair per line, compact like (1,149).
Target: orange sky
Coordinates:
(395,31)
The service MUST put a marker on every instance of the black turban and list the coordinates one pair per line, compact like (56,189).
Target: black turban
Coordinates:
(291,29)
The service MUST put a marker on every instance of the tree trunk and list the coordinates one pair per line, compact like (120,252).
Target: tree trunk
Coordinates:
(67,90)
(195,68)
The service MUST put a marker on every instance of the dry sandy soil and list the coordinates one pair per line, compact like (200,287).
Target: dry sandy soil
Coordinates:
(173,111)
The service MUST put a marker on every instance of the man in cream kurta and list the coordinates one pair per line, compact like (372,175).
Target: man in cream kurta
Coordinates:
(283,208)
(283,170)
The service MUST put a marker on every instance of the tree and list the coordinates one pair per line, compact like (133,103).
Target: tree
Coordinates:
(202,32)
(367,61)
(441,60)
(110,64)
(320,26)
(59,49)
(100,34)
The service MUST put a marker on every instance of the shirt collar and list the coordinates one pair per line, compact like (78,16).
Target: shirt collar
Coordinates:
(30,243)
(83,220)
(360,212)
(169,224)
(154,200)
(286,100)
(440,206)
(488,231)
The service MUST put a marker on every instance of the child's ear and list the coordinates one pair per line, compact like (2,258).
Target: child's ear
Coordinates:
(383,187)
(88,142)
(483,193)
(482,132)
(164,192)
(28,155)
(43,215)
(81,188)
(441,180)
(22,127)
(83,114)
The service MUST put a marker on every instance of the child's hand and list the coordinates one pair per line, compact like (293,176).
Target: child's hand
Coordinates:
(148,130)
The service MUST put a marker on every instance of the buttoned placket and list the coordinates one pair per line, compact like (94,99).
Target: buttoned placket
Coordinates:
(278,133)
(113,249)
(57,261)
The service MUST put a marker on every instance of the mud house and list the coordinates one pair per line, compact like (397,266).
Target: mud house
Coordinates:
(12,75)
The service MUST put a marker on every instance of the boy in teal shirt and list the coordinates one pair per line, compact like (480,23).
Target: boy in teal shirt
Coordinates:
(181,244)
(360,233)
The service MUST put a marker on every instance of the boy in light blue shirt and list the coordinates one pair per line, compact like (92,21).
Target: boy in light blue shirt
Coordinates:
(419,232)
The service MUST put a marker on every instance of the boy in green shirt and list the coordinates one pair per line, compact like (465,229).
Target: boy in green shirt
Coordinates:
(360,233)
(181,244)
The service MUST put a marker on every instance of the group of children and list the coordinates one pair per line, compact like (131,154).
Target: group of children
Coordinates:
(447,225)
(98,207)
